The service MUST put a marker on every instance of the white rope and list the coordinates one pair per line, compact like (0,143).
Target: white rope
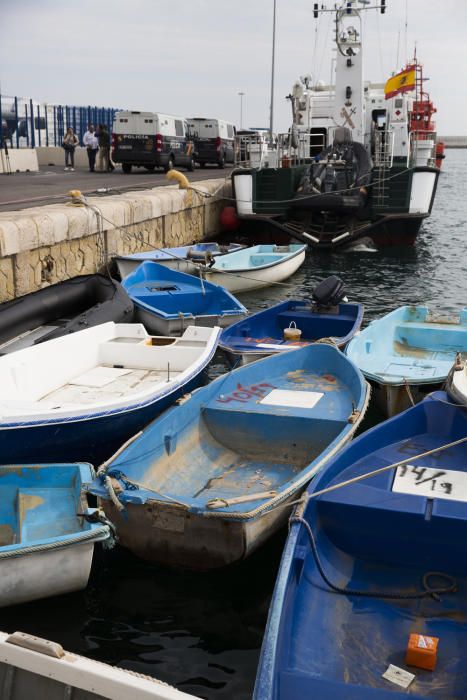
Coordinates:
(395,465)
(83,537)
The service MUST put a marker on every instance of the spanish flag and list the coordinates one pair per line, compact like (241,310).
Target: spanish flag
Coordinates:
(402,82)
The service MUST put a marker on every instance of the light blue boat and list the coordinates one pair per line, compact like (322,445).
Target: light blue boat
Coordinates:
(210,480)
(46,540)
(408,353)
(182,258)
(167,301)
(255,267)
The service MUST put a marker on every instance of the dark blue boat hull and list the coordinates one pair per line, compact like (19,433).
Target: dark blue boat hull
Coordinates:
(92,440)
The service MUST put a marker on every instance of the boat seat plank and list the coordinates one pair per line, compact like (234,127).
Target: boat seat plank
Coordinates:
(131,381)
(46,512)
(436,336)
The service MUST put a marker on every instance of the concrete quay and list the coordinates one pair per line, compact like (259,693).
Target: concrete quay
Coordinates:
(47,244)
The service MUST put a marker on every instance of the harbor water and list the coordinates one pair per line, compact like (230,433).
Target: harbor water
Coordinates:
(203,633)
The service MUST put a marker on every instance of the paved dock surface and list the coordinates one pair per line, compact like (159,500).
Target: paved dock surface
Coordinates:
(51,184)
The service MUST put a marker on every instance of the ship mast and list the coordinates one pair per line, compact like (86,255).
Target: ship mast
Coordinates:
(349,105)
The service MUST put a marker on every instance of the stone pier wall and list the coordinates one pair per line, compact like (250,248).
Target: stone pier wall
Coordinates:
(48,244)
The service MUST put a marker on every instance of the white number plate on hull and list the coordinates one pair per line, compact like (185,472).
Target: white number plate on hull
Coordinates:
(431,483)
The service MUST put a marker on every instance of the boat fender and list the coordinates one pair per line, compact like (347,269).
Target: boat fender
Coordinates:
(292,332)
(183,182)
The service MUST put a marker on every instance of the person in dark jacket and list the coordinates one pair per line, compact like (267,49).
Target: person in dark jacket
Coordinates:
(103,156)
(70,141)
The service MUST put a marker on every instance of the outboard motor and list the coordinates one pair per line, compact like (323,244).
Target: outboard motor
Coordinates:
(329,292)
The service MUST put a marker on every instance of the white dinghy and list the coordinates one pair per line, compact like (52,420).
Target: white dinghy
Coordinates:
(79,397)
(31,667)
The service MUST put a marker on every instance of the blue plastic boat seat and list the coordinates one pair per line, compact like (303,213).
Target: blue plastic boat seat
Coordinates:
(386,526)
(271,435)
(46,512)
(436,337)
(265,259)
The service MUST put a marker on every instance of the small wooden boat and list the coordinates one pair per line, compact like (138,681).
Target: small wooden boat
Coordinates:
(362,564)
(46,542)
(77,398)
(456,383)
(167,301)
(69,306)
(407,354)
(183,258)
(255,267)
(210,481)
(32,668)
(294,323)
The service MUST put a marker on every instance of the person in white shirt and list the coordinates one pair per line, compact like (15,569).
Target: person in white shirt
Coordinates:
(92,146)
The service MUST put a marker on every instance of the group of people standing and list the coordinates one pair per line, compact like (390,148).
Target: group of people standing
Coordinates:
(97,144)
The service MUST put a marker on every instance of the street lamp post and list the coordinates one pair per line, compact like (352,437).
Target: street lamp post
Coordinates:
(271,113)
(241,94)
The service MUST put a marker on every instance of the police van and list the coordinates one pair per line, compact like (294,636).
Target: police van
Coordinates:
(213,141)
(151,140)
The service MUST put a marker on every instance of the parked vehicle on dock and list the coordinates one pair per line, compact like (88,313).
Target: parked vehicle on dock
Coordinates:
(213,140)
(151,140)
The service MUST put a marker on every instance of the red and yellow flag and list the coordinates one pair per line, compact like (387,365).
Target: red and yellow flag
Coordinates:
(402,82)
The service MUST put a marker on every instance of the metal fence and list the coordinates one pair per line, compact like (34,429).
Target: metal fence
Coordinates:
(26,123)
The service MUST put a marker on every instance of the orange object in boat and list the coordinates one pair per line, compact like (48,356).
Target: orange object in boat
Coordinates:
(422,651)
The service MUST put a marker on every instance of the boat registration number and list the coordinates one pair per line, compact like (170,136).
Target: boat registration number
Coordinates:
(431,483)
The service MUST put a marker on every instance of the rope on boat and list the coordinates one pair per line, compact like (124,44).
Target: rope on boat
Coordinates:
(199,266)
(409,393)
(433,591)
(367,475)
(97,534)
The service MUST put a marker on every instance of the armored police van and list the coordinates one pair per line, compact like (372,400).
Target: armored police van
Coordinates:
(151,140)
(213,141)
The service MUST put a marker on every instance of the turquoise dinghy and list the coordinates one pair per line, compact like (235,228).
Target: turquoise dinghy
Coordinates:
(408,353)
(212,479)
(46,537)
(255,267)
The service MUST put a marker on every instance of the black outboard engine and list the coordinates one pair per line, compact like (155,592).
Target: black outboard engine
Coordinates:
(329,292)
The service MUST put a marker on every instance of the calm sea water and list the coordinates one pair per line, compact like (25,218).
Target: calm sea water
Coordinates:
(202,633)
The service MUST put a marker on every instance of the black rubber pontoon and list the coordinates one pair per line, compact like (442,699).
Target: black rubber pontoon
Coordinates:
(62,308)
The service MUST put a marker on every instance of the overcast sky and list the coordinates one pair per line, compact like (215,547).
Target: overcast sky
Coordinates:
(192,58)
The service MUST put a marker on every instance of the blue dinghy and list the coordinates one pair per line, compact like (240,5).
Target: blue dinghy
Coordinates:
(183,258)
(294,323)
(46,542)
(408,353)
(167,301)
(206,484)
(377,540)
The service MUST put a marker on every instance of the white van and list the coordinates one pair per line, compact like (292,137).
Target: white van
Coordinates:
(213,140)
(151,140)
